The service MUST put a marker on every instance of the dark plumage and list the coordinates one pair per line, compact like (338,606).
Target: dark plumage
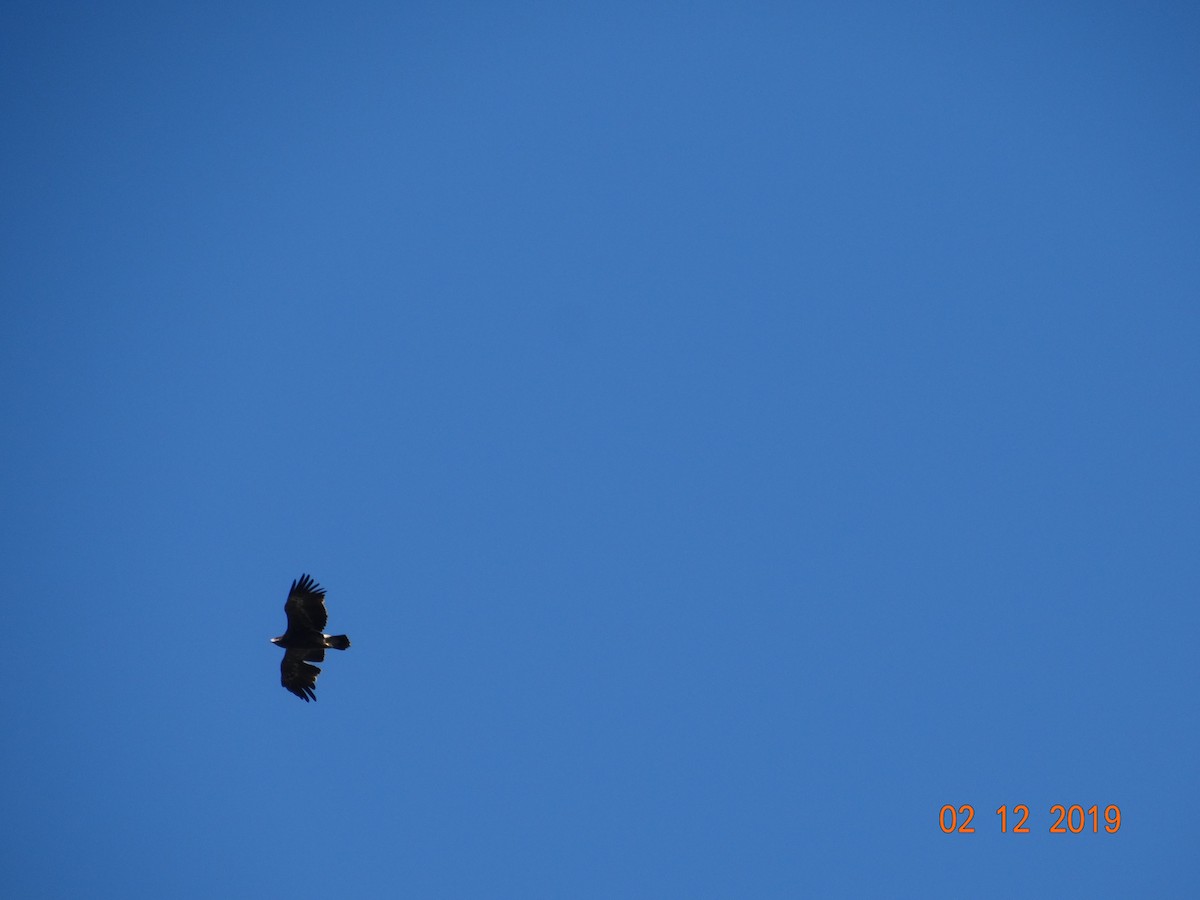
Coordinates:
(304,640)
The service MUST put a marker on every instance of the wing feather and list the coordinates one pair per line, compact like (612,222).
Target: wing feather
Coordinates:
(298,676)
(305,606)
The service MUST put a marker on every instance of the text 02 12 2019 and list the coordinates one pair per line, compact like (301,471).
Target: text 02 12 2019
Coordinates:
(1074,819)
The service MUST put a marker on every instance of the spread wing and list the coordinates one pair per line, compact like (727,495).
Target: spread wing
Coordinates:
(298,676)
(305,606)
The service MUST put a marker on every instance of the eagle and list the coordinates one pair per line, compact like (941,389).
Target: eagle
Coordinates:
(304,642)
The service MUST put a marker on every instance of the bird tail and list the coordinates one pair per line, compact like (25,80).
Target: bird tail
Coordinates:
(337,641)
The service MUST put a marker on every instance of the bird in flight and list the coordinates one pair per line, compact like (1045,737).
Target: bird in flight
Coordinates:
(304,642)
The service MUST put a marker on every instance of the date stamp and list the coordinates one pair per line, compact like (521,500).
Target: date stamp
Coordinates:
(1072,819)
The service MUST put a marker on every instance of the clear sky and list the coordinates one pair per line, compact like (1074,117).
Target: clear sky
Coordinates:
(728,432)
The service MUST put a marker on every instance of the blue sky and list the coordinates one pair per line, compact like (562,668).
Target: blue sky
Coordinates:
(728,433)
